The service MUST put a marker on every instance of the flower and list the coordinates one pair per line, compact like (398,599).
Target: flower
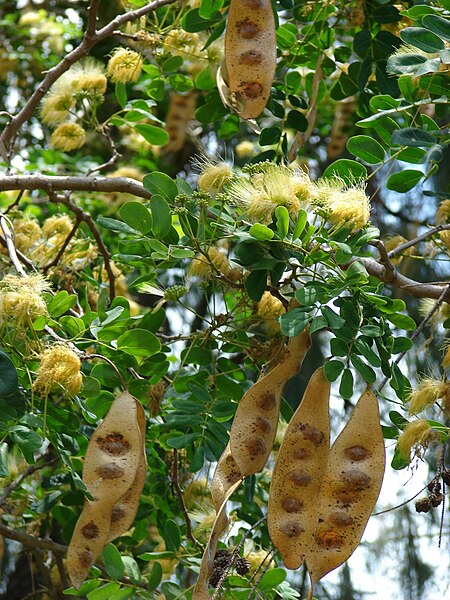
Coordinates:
(269,187)
(416,433)
(67,137)
(124,66)
(60,366)
(21,297)
(344,205)
(269,309)
(426,394)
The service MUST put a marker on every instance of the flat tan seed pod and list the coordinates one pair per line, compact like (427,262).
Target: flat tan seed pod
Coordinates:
(255,423)
(200,591)
(350,489)
(250,55)
(124,511)
(298,472)
(110,466)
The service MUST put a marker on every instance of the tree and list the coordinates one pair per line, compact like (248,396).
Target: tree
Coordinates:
(174,243)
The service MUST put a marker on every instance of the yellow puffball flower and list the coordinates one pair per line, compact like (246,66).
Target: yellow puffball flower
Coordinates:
(21,297)
(67,137)
(124,66)
(60,366)
(416,433)
(269,309)
(426,394)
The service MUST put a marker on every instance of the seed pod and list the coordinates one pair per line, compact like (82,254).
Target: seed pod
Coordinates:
(255,423)
(350,489)
(298,473)
(110,466)
(250,55)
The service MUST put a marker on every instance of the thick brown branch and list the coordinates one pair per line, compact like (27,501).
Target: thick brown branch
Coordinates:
(51,183)
(415,288)
(90,39)
(30,541)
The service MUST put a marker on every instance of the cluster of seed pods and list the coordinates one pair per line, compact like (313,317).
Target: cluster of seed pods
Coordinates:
(320,497)
(250,55)
(251,440)
(114,474)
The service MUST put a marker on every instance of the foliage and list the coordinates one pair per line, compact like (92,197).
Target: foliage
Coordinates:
(137,255)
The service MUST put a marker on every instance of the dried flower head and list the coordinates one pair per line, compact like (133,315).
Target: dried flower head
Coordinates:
(21,297)
(271,186)
(213,176)
(124,66)
(416,433)
(269,309)
(428,391)
(67,137)
(60,366)
(344,205)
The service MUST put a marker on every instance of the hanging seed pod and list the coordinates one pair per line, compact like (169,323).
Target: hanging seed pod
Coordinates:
(255,423)
(298,472)
(250,55)
(110,467)
(350,489)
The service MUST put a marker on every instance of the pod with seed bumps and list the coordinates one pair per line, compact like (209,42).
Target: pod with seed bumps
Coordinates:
(110,466)
(255,423)
(297,475)
(250,55)
(350,489)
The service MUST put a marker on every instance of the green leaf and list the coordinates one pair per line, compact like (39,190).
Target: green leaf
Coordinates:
(104,592)
(139,342)
(404,180)
(422,38)
(113,561)
(9,380)
(402,321)
(294,322)
(347,170)
(332,369)
(161,217)
(346,386)
(411,136)
(154,579)
(137,216)
(261,232)
(366,148)
(438,25)
(172,535)
(282,220)
(4,470)
(153,135)
(161,184)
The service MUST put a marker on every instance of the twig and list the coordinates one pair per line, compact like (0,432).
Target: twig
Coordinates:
(90,39)
(49,183)
(30,541)
(86,218)
(63,248)
(29,471)
(115,154)
(179,492)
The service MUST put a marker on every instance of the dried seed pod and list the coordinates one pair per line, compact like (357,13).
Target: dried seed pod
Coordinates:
(250,55)
(350,489)
(298,472)
(110,466)
(255,423)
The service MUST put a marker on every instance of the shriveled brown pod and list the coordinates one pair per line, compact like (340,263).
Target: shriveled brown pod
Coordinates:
(255,423)
(298,472)
(250,55)
(124,511)
(110,466)
(350,489)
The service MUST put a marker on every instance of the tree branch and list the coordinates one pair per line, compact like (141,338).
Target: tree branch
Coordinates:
(51,183)
(90,39)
